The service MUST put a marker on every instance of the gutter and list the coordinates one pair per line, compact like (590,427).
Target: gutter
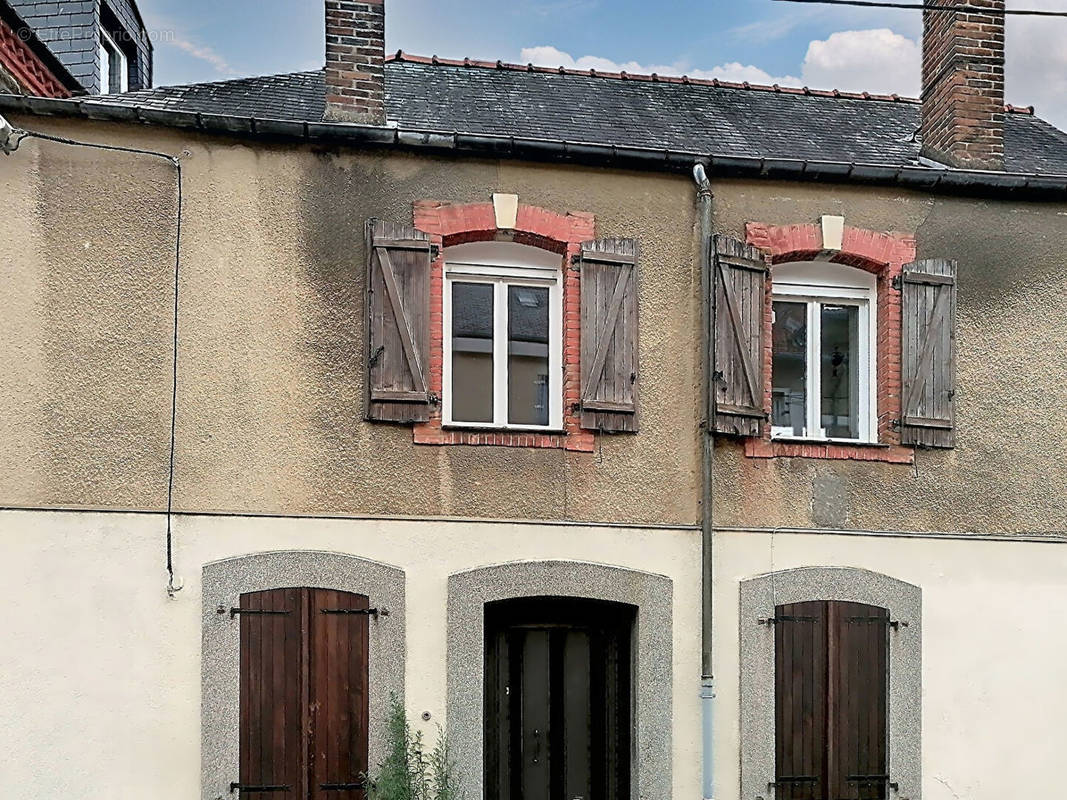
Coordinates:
(949,181)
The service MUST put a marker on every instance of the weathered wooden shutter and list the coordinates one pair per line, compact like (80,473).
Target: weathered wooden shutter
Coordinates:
(398,322)
(858,636)
(800,701)
(740,280)
(272,749)
(338,694)
(609,368)
(303,695)
(928,353)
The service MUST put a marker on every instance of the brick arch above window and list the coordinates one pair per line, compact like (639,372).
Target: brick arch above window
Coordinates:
(882,254)
(563,233)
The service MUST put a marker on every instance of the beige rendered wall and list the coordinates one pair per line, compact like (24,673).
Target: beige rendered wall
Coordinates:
(272,357)
(100,672)
(993,651)
(1006,473)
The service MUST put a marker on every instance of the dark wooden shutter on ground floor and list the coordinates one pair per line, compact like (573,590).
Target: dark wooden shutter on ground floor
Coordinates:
(831,683)
(303,695)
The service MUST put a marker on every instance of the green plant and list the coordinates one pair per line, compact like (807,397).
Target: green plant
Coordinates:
(408,771)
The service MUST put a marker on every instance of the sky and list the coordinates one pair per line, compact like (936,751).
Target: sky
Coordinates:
(761,41)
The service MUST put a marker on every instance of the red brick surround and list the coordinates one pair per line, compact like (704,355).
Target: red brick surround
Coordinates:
(883,254)
(560,233)
(28,70)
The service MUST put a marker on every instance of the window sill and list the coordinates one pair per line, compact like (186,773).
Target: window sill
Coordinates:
(516,430)
(433,433)
(829,449)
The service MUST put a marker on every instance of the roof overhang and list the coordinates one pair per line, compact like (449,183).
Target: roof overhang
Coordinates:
(1031,186)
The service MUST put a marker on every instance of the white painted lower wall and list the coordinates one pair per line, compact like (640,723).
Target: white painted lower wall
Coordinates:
(994,660)
(100,678)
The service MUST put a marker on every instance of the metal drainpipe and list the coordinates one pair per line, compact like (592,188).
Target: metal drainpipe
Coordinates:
(707,683)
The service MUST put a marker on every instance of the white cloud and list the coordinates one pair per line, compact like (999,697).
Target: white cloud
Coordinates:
(876,61)
(204,54)
(1036,69)
(553,57)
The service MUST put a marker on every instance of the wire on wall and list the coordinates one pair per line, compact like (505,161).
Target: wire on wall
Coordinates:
(173,585)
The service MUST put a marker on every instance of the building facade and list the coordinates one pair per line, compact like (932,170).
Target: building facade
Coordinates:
(765,433)
(27,64)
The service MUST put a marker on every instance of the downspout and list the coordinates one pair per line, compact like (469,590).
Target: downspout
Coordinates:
(707,684)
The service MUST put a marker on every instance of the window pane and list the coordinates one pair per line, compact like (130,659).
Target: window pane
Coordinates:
(527,355)
(472,352)
(105,68)
(840,369)
(790,367)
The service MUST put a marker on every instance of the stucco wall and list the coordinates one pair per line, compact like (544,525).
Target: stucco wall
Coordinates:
(1006,473)
(272,353)
(992,660)
(101,673)
(271,368)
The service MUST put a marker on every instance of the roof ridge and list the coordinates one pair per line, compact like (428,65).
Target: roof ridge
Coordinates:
(434,60)
(401,56)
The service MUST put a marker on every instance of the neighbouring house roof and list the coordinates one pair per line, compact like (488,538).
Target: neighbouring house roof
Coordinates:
(628,111)
(26,34)
(492,109)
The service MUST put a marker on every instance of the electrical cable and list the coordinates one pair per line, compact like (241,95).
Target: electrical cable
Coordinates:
(965,9)
(172,589)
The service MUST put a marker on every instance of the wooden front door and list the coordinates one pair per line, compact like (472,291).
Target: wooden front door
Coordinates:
(557,710)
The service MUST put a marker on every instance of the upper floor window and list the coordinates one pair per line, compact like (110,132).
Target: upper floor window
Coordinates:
(114,72)
(823,369)
(503,337)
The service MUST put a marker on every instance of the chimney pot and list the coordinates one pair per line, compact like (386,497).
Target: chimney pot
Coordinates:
(963,84)
(355,60)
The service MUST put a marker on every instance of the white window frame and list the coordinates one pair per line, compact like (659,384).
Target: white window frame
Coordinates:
(815,284)
(504,264)
(107,47)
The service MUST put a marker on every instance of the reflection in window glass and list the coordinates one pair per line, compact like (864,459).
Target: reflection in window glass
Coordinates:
(839,351)
(527,355)
(790,367)
(472,352)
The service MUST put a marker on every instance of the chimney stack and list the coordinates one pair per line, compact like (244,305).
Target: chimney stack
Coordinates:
(963,84)
(355,61)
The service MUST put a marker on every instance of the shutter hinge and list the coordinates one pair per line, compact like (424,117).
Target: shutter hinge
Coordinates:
(248,787)
(376,355)
(898,282)
(785,618)
(433,399)
(435,251)
(894,424)
(235,611)
(895,624)
(873,779)
(370,612)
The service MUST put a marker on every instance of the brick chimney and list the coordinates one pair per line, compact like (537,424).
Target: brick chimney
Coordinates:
(963,85)
(355,61)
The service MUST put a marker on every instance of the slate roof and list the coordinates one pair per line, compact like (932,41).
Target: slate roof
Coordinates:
(634,111)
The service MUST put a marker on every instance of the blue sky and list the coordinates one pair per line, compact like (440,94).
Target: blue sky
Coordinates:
(757,40)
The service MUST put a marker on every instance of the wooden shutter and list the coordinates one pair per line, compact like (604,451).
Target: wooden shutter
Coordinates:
(272,749)
(398,322)
(337,693)
(856,700)
(800,701)
(609,368)
(928,353)
(303,695)
(740,294)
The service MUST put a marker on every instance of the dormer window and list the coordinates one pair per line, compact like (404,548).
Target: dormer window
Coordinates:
(823,368)
(114,72)
(503,337)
